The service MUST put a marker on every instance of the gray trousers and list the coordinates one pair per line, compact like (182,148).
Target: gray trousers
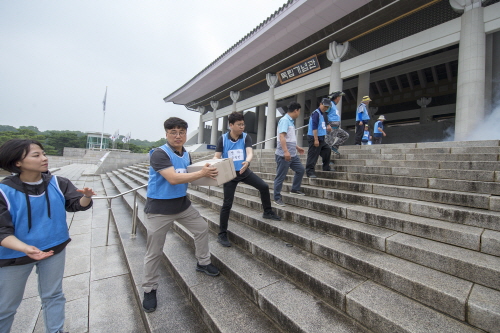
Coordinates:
(337,136)
(158,225)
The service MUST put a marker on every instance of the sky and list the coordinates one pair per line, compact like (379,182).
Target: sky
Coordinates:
(58,56)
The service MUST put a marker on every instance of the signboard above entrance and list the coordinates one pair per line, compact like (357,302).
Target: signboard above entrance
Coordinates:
(300,69)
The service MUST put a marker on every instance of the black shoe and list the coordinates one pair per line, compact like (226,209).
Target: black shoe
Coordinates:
(271,215)
(149,302)
(222,239)
(312,175)
(208,269)
(328,169)
(297,192)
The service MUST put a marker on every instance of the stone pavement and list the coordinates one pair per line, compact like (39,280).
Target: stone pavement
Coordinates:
(96,281)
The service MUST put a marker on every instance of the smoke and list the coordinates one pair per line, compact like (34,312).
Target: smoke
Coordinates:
(488,128)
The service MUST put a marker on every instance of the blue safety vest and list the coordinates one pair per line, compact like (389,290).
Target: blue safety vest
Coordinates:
(158,186)
(46,232)
(366,136)
(332,113)
(362,115)
(235,150)
(321,124)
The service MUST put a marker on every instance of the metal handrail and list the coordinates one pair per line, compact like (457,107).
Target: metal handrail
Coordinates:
(274,137)
(135,209)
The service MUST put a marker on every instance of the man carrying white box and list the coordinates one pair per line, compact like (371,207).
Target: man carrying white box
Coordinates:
(238,145)
(167,202)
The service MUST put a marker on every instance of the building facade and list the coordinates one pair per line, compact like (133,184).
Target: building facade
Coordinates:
(430,67)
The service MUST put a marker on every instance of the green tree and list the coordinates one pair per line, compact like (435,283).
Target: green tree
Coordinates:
(7,128)
(21,134)
(31,128)
(59,140)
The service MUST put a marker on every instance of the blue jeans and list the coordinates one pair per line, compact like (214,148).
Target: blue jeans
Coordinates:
(282,167)
(13,281)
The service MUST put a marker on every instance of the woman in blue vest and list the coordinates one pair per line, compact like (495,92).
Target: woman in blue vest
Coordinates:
(33,230)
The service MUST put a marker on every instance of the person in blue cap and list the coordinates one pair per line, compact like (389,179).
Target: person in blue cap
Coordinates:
(316,139)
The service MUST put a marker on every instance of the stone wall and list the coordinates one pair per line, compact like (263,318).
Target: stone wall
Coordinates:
(114,160)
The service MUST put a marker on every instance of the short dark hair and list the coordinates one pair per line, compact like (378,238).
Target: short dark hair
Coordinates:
(13,151)
(174,122)
(235,116)
(293,106)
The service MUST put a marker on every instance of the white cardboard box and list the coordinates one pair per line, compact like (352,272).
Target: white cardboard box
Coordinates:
(225,167)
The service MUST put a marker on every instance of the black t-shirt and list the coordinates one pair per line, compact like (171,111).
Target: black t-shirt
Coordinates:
(160,160)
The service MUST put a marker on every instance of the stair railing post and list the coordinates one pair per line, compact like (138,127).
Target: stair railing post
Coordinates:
(109,220)
(134,216)
(260,158)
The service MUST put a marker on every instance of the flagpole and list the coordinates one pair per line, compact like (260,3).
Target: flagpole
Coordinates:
(103,114)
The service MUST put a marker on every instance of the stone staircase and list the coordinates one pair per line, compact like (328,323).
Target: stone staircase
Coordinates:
(401,238)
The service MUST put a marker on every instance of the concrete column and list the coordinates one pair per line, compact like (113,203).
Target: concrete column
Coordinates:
(201,126)
(224,124)
(272,80)
(235,95)
(363,86)
(215,122)
(423,102)
(299,122)
(261,124)
(335,54)
(471,67)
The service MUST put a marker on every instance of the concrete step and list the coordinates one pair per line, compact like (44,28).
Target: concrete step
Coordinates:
(223,307)
(255,277)
(392,213)
(173,304)
(423,284)
(301,312)
(420,176)
(299,266)
(213,299)
(454,234)
(469,265)
(405,316)
(393,273)
(481,218)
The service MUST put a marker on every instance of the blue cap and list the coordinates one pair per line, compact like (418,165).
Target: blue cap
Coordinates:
(326,102)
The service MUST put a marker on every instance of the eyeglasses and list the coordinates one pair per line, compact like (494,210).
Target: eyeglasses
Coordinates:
(240,124)
(175,134)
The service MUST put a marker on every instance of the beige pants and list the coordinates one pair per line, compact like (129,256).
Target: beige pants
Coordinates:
(158,225)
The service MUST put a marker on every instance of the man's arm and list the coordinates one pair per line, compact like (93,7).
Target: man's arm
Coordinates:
(246,163)
(284,147)
(175,178)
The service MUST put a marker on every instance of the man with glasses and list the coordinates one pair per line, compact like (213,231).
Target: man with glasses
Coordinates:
(238,145)
(167,202)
